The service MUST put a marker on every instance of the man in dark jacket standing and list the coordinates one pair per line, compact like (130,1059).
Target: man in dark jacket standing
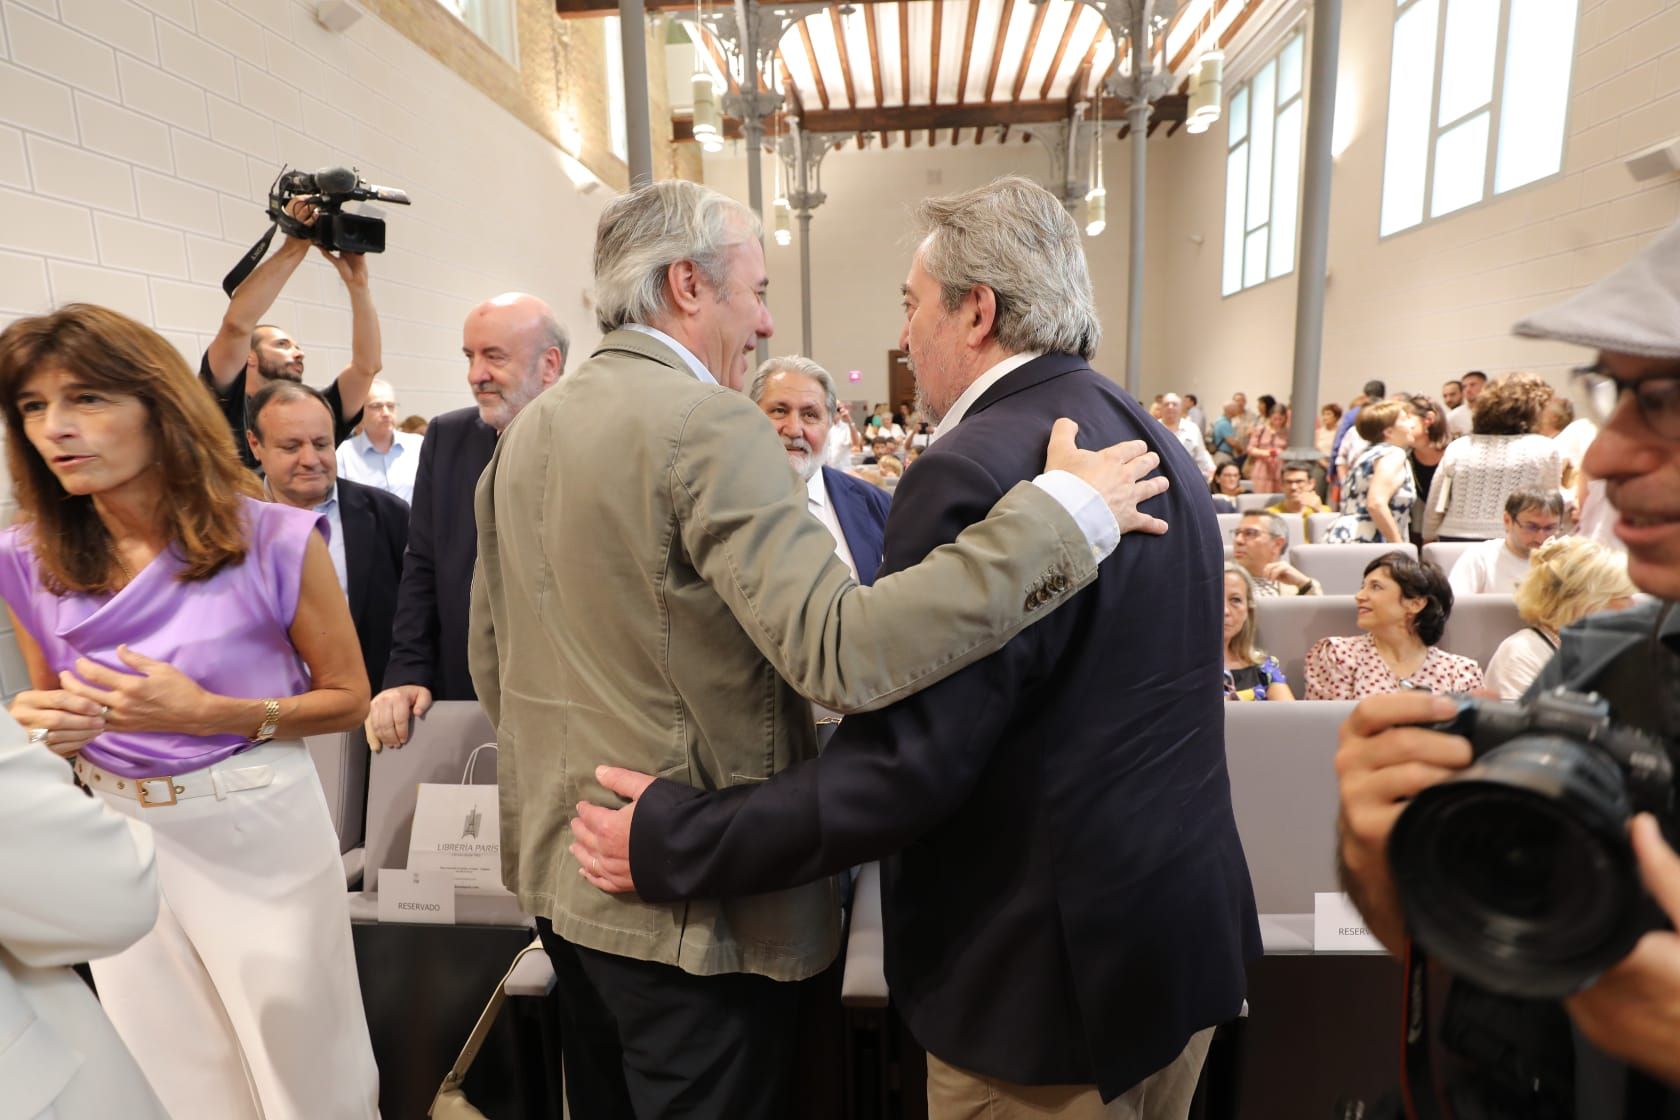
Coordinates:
(1068,911)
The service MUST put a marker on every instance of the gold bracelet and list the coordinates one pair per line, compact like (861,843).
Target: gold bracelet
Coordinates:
(270,723)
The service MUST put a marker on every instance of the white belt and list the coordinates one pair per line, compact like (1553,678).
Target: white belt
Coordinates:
(166,789)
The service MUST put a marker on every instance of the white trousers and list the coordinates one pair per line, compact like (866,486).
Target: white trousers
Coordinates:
(243,1002)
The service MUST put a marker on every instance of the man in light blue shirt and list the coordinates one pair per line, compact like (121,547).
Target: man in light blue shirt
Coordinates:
(381,456)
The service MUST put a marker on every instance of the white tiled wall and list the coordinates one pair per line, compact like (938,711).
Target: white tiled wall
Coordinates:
(138,141)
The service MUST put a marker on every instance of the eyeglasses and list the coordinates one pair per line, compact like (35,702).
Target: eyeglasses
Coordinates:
(1534,530)
(1250,534)
(1657,398)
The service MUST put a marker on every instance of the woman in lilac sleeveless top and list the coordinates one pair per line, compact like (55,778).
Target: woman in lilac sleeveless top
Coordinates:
(181,638)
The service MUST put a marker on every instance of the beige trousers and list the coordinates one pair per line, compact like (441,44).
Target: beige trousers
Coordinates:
(956,1094)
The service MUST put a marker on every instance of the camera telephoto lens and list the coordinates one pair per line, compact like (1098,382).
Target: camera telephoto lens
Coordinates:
(1517,874)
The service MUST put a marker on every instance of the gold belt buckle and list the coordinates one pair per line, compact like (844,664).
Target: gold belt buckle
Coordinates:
(143,797)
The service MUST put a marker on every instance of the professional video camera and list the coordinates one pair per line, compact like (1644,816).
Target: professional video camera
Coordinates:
(1517,874)
(327,191)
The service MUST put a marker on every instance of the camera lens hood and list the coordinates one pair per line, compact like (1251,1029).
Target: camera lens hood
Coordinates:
(1517,874)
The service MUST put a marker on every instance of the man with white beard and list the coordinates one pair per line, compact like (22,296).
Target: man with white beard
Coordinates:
(798,396)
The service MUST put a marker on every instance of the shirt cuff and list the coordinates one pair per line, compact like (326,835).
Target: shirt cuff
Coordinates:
(1085,506)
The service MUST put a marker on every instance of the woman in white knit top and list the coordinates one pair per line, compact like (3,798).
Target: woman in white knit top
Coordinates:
(1502,454)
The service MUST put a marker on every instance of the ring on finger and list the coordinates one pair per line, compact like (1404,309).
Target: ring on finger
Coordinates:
(38,736)
(104,710)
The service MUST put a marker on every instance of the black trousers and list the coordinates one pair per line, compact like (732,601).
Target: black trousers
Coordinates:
(589,1050)
(693,1047)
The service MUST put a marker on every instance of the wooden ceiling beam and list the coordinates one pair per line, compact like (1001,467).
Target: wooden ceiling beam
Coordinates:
(916,118)
(1027,55)
(933,71)
(1061,50)
(904,59)
(816,71)
(838,22)
(874,65)
(997,54)
(967,55)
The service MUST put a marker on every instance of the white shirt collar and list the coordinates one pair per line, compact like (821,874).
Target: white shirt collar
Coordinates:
(978,386)
(694,364)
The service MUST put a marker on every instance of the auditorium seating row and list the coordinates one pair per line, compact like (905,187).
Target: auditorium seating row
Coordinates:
(1287,628)
(1311,530)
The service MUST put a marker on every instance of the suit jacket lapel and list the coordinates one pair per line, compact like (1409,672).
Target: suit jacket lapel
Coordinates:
(862,537)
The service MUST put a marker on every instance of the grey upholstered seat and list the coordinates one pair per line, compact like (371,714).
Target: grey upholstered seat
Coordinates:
(1478,624)
(1341,567)
(1281,759)
(1318,524)
(1287,628)
(1444,554)
(1246,502)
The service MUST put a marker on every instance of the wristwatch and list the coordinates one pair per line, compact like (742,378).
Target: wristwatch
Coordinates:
(271,721)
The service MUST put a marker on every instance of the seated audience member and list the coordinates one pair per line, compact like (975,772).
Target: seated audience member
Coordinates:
(1380,491)
(798,396)
(1299,497)
(881,448)
(1257,547)
(1532,517)
(1226,488)
(1172,419)
(892,469)
(1569,579)
(380,455)
(415,425)
(1402,607)
(912,455)
(1250,673)
(290,433)
(1502,453)
(883,423)
(78,884)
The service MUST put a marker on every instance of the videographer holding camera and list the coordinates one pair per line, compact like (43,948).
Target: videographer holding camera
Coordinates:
(247,353)
(1527,856)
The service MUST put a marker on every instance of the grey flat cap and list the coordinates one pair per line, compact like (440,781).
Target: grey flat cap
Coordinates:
(1635,310)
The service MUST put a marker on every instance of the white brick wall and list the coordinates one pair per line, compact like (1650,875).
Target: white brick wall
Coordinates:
(138,139)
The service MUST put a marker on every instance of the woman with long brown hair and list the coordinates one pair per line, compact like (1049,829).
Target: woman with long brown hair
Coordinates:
(181,638)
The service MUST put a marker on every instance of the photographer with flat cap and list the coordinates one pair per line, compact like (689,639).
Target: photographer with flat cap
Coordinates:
(247,353)
(1524,1036)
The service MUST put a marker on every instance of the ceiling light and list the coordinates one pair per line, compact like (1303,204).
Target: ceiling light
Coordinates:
(1206,89)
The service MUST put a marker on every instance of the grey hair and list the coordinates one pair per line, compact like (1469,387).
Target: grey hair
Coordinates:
(643,233)
(804,367)
(1014,237)
(551,334)
(1275,525)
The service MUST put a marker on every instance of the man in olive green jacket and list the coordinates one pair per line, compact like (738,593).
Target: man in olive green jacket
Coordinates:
(651,593)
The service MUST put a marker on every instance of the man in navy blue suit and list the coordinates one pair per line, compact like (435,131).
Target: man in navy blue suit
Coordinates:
(798,396)
(1067,907)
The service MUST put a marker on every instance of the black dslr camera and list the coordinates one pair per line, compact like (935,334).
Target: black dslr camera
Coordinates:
(327,191)
(1517,874)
